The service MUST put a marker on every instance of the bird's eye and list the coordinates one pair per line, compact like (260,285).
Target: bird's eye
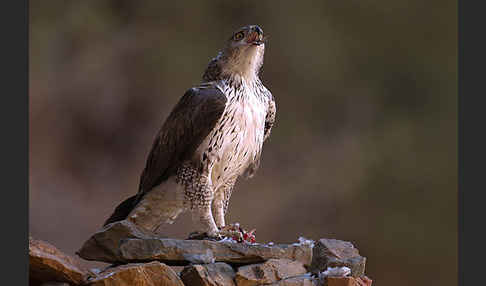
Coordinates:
(238,36)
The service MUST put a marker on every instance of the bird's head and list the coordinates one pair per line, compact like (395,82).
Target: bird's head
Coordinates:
(243,53)
(246,38)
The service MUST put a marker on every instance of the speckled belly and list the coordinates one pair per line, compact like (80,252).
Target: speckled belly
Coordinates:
(236,141)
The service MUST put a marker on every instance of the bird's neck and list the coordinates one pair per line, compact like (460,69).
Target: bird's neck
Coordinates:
(221,68)
(237,89)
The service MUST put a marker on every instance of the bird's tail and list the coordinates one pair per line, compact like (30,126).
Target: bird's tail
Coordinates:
(123,210)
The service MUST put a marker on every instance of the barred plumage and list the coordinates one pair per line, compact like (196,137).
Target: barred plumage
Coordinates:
(213,136)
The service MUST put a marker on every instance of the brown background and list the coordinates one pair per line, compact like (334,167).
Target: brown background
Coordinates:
(364,148)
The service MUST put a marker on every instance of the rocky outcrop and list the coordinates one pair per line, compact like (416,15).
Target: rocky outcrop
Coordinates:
(141,258)
(302,280)
(181,252)
(214,274)
(109,245)
(337,253)
(47,264)
(140,274)
(104,244)
(347,281)
(269,272)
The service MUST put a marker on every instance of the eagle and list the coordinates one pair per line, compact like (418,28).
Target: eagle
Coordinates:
(213,136)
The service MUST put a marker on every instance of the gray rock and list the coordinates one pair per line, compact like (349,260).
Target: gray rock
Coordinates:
(122,242)
(214,274)
(331,253)
(271,271)
(104,244)
(176,251)
(205,258)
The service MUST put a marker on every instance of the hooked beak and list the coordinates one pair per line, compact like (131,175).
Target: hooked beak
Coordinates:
(256,36)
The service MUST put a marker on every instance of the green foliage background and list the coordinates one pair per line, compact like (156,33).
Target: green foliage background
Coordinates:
(365,144)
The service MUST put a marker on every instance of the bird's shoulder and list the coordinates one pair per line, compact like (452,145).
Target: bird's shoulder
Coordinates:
(204,101)
(206,92)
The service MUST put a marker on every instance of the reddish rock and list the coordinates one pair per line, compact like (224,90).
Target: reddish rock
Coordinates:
(364,281)
(341,281)
(214,274)
(47,264)
(332,253)
(140,274)
(348,281)
(303,280)
(269,272)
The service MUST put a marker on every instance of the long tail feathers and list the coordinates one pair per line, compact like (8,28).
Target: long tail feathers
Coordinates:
(122,210)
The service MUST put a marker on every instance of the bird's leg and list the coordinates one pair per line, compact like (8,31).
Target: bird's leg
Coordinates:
(200,196)
(218,209)
(220,205)
(220,202)
(204,218)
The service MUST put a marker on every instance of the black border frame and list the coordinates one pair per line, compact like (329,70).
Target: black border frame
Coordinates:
(471,142)
(15,135)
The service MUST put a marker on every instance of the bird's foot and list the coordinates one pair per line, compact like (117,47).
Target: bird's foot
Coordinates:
(196,235)
(232,231)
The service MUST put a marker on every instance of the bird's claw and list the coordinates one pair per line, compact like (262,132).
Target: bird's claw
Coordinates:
(231,231)
(204,236)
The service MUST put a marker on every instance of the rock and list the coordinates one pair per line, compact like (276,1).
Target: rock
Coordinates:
(49,265)
(348,281)
(269,272)
(122,242)
(302,280)
(140,274)
(104,244)
(205,258)
(364,281)
(215,274)
(338,271)
(331,253)
(341,281)
(178,252)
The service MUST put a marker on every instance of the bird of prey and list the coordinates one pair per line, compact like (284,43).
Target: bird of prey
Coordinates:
(212,136)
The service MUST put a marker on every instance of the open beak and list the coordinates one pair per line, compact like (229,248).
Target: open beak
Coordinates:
(256,37)
(260,41)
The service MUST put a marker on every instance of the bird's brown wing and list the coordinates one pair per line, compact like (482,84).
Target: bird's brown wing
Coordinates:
(189,123)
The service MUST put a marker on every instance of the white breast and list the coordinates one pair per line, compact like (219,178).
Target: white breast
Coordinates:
(242,137)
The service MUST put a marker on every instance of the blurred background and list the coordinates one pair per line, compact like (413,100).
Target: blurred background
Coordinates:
(364,148)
